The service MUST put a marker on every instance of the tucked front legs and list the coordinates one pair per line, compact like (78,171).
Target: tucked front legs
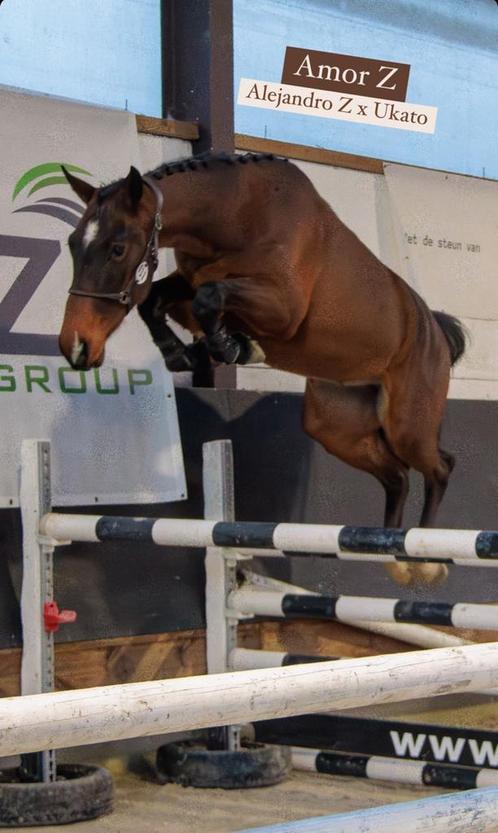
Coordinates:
(207,307)
(163,297)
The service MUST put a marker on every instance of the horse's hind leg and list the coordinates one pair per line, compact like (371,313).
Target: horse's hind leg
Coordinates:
(435,487)
(345,421)
(412,416)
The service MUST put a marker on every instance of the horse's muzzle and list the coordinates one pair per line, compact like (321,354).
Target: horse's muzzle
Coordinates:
(79,355)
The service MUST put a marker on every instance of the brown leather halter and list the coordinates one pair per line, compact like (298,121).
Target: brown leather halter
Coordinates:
(150,258)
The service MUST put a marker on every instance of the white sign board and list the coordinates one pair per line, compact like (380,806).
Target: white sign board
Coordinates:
(114,430)
(447,234)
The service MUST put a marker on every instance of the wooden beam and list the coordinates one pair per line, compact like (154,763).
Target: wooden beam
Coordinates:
(168,127)
(309,154)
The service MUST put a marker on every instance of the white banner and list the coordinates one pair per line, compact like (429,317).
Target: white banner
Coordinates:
(446,228)
(327,104)
(114,431)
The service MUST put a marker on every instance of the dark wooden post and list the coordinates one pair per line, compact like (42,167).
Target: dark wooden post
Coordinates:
(197,43)
(197,38)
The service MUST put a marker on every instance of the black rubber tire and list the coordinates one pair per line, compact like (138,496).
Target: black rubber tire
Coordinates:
(81,792)
(192,765)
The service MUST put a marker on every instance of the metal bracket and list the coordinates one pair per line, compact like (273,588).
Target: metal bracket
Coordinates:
(37,666)
(236,555)
(51,543)
(221,573)
(237,615)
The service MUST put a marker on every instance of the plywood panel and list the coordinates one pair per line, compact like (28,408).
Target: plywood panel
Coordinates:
(182,654)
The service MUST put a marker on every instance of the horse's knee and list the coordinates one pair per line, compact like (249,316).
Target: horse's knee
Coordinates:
(209,301)
(310,418)
(441,470)
(418,453)
(448,459)
(395,479)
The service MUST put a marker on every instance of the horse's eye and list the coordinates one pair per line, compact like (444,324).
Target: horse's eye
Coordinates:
(117,250)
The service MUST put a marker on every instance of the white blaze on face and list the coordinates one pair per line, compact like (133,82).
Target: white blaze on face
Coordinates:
(91,231)
(76,349)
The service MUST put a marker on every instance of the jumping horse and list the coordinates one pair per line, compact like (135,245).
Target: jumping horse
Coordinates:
(267,271)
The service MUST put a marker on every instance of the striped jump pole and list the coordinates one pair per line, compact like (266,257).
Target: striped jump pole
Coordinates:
(422,636)
(466,547)
(244,659)
(345,608)
(395,770)
(475,811)
(74,718)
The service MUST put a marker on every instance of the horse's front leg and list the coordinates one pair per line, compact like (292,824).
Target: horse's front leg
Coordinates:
(211,301)
(164,295)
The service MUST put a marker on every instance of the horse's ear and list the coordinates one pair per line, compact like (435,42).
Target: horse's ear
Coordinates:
(83,189)
(135,185)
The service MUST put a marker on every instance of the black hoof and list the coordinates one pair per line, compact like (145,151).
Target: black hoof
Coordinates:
(250,351)
(229,354)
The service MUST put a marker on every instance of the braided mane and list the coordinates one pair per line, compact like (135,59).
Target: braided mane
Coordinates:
(193,163)
(207,160)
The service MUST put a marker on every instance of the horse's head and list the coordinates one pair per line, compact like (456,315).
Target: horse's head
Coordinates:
(114,250)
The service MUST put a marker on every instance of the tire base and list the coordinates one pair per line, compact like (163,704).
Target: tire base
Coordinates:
(193,765)
(80,792)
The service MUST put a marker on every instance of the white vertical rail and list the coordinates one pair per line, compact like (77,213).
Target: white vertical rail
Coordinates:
(221,578)
(37,664)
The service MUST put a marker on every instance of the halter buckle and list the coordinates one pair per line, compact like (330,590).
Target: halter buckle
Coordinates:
(124,297)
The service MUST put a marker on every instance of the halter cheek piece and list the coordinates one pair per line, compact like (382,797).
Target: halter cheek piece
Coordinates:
(147,265)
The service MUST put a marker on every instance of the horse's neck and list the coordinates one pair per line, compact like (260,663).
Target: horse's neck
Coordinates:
(184,202)
(197,205)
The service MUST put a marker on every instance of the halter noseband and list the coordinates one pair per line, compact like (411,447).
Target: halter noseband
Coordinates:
(144,270)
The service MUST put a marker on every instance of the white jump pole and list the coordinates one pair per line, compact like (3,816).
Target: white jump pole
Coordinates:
(475,811)
(458,546)
(76,718)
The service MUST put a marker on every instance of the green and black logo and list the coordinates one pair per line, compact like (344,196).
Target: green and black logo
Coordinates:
(38,254)
(47,175)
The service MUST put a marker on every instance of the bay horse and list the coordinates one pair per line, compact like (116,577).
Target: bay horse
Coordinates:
(267,270)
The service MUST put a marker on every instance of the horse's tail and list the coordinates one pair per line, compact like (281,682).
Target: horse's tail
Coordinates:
(454,333)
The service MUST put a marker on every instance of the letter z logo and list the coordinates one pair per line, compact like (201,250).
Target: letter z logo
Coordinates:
(41,256)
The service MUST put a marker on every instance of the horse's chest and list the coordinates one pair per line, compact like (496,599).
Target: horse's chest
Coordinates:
(189,265)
